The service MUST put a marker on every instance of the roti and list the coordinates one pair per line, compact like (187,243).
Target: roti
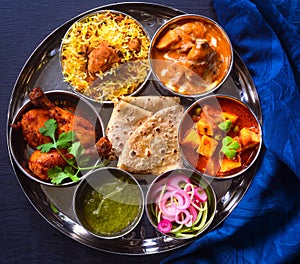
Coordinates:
(124,120)
(130,112)
(153,147)
(152,103)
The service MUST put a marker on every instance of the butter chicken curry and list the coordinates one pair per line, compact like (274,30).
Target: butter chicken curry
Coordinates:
(191,56)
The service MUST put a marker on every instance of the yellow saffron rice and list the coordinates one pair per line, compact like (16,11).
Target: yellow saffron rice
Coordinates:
(85,35)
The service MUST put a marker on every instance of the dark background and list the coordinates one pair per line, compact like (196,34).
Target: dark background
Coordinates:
(26,237)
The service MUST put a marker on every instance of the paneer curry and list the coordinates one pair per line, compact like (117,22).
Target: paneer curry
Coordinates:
(219,137)
(191,56)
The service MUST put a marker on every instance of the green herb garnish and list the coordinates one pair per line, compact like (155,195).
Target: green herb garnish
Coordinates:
(53,208)
(66,140)
(225,126)
(229,147)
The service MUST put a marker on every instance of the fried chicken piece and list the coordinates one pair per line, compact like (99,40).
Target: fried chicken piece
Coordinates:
(102,58)
(66,121)
(30,123)
(39,163)
(104,146)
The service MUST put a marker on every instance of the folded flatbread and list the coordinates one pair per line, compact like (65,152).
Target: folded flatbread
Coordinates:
(124,120)
(152,103)
(153,147)
(130,112)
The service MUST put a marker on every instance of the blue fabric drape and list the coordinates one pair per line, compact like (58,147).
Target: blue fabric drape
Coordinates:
(265,226)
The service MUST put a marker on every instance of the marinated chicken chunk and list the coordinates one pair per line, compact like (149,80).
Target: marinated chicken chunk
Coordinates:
(195,30)
(103,146)
(102,58)
(31,122)
(66,121)
(39,163)
(134,45)
(170,38)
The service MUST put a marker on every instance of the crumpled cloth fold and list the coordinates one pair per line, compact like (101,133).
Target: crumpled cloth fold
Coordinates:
(265,225)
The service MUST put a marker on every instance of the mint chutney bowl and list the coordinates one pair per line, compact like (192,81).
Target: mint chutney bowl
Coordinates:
(108,203)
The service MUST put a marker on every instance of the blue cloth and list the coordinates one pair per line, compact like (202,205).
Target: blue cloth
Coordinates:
(265,226)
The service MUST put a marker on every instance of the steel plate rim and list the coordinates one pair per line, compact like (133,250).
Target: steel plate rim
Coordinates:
(22,184)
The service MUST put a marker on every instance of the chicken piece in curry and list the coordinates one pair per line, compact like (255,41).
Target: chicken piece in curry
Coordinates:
(220,140)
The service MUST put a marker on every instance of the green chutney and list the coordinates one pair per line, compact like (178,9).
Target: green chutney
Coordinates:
(113,207)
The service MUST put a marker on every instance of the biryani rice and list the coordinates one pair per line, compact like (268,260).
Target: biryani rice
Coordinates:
(117,30)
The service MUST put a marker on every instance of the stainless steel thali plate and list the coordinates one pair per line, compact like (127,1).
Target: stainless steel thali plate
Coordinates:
(55,204)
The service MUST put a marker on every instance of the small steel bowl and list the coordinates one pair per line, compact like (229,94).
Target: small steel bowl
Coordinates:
(207,155)
(108,203)
(21,151)
(190,56)
(129,74)
(169,182)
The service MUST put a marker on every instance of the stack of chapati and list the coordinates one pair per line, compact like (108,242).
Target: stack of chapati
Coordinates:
(143,131)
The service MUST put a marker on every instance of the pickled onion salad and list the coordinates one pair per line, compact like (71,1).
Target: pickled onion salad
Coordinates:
(180,207)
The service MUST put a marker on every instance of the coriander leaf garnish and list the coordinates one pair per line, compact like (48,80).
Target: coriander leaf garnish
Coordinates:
(57,174)
(53,208)
(66,140)
(229,147)
(225,126)
(46,147)
(76,149)
(49,128)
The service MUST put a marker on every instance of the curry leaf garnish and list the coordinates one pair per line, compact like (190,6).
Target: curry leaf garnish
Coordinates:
(229,147)
(66,140)
(225,126)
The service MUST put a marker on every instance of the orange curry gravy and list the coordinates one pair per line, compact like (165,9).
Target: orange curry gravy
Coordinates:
(191,56)
(211,166)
